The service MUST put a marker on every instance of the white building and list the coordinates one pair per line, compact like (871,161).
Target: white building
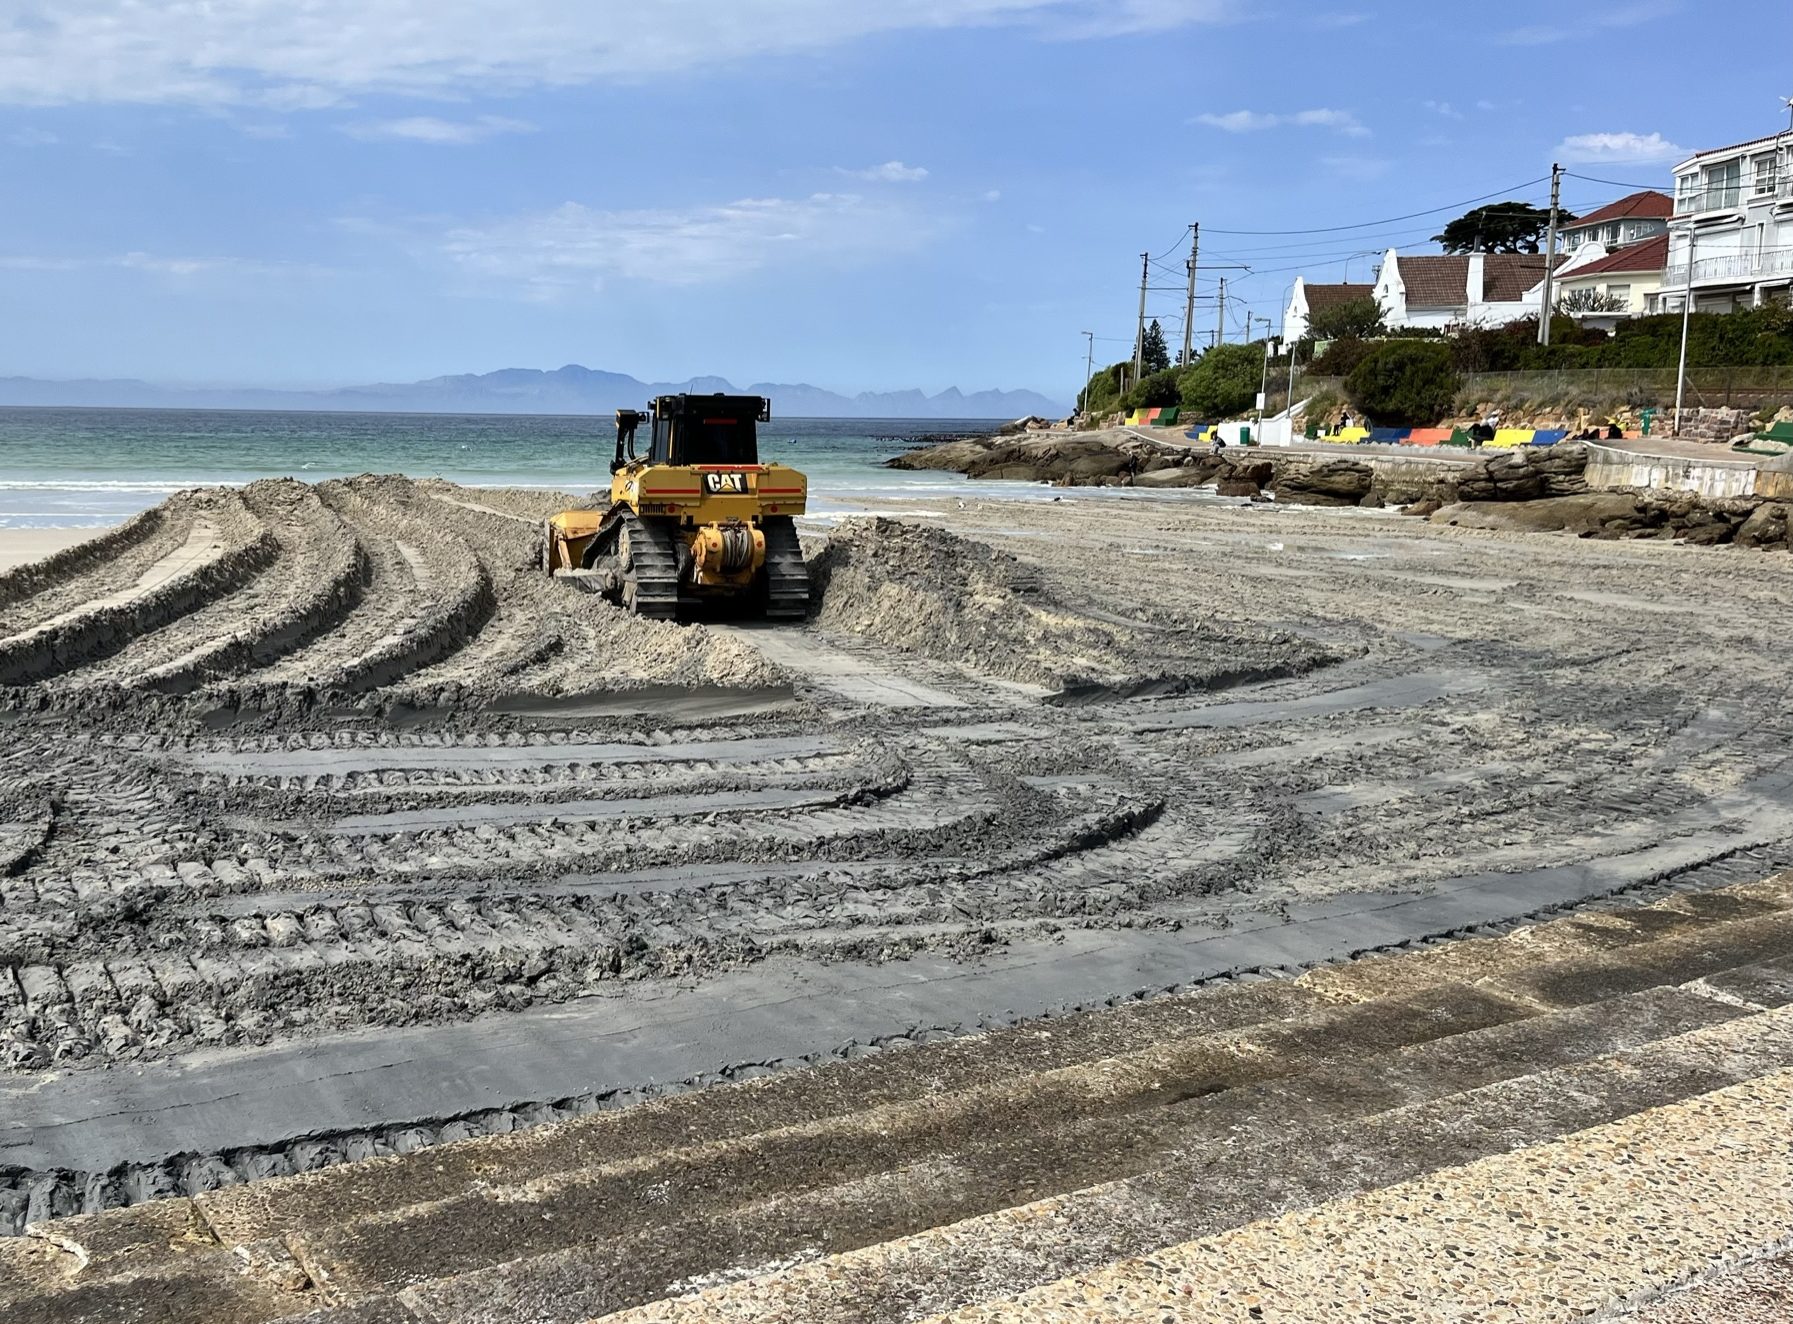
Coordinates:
(1459,289)
(1733,226)
(1305,300)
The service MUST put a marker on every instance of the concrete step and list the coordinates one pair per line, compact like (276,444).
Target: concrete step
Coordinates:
(840,1089)
(487,1225)
(1203,1193)
(1583,1227)
(880,1149)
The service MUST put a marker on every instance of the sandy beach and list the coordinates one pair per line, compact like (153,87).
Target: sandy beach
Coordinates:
(349,833)
(19,546)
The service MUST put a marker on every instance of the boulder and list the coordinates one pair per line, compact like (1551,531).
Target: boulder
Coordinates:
(1708,534)
(1102,464)
(1237,487)
(1766,526)
(1186,476)
(1526,475)
(1593,514)
(1338,483)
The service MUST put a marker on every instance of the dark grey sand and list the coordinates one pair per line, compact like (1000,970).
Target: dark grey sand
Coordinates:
(329,827)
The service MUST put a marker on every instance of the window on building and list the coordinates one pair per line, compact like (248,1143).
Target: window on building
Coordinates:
(1621,293)
(1767,173)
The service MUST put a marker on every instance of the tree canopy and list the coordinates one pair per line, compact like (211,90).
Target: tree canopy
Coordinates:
(1500,227)
(1156,355)
(1354,319)
(1224,382)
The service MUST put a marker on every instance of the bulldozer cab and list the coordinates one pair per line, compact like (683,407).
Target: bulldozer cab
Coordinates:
(708,429)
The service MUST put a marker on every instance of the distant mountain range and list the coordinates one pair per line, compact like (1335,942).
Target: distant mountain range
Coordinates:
(568,390)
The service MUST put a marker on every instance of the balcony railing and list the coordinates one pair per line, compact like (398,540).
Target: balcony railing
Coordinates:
(1712,199)
(1733,268)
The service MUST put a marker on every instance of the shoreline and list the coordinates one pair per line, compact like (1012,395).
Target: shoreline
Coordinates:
(22,546)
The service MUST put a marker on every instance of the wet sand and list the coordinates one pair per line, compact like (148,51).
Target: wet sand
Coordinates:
(20,546)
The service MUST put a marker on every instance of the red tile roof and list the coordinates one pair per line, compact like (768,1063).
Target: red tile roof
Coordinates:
(1507,276)
(1648,204)
(1435,281)
(1442,281)
(1329,296)
(1650,255)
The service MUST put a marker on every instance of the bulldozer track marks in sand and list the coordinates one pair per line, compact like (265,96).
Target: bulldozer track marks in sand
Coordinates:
(340,831)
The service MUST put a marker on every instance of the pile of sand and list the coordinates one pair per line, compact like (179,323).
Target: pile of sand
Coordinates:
(925,591)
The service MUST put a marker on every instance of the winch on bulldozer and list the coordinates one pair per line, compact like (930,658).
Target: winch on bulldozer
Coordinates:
(695,518)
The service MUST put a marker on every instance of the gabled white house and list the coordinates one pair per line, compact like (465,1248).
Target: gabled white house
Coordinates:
(1442,290)
(1305,300)
(1459,289)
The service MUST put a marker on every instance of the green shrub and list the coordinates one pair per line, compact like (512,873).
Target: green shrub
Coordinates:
(1103,394)
(1405,383)
(1340,357)
(1160,390)
(1223,382)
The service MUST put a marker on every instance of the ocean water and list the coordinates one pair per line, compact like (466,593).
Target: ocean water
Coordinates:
(85,468)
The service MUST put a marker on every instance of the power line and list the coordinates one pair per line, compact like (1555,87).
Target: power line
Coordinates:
(1173,248)
(1613,183)
(1393,220)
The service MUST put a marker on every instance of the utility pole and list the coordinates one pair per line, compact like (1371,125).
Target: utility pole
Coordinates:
(1544,313)
(1291,410)
(1220,324)
(1139,343)
(1264,378)
(1195,241)
(1089,369)
(1686,325)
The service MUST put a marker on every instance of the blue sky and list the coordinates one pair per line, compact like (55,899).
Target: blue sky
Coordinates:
(864,194)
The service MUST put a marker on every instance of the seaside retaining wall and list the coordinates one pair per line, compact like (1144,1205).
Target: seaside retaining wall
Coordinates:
(1712,479)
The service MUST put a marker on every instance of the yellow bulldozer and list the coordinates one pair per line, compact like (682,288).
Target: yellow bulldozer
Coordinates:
(695,518)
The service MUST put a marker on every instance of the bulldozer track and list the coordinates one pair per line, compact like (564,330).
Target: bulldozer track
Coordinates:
(650,563)
(787,577)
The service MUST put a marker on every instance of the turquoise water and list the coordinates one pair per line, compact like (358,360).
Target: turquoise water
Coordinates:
(81,468)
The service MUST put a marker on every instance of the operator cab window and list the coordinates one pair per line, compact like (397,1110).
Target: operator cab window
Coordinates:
(718,438)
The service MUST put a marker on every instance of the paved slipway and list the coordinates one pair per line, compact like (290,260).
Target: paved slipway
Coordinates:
(1099,909)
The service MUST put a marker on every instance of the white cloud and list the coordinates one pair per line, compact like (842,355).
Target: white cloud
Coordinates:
(1253,121)
(1443,108)
(1333,22)
(155,264)
(308,54)
(429,129)
(574,247)
(32,138)
(1586,24)
(1618,149)
(891,172)
(992,195)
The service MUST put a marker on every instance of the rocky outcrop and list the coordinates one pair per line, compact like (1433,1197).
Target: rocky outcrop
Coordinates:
(1336,483)
(1244,478)
(1614,515)
(1526,475)
(1766,526)
(1084,459)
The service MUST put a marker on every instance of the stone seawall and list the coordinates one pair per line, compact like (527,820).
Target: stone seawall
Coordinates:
(1714,479)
